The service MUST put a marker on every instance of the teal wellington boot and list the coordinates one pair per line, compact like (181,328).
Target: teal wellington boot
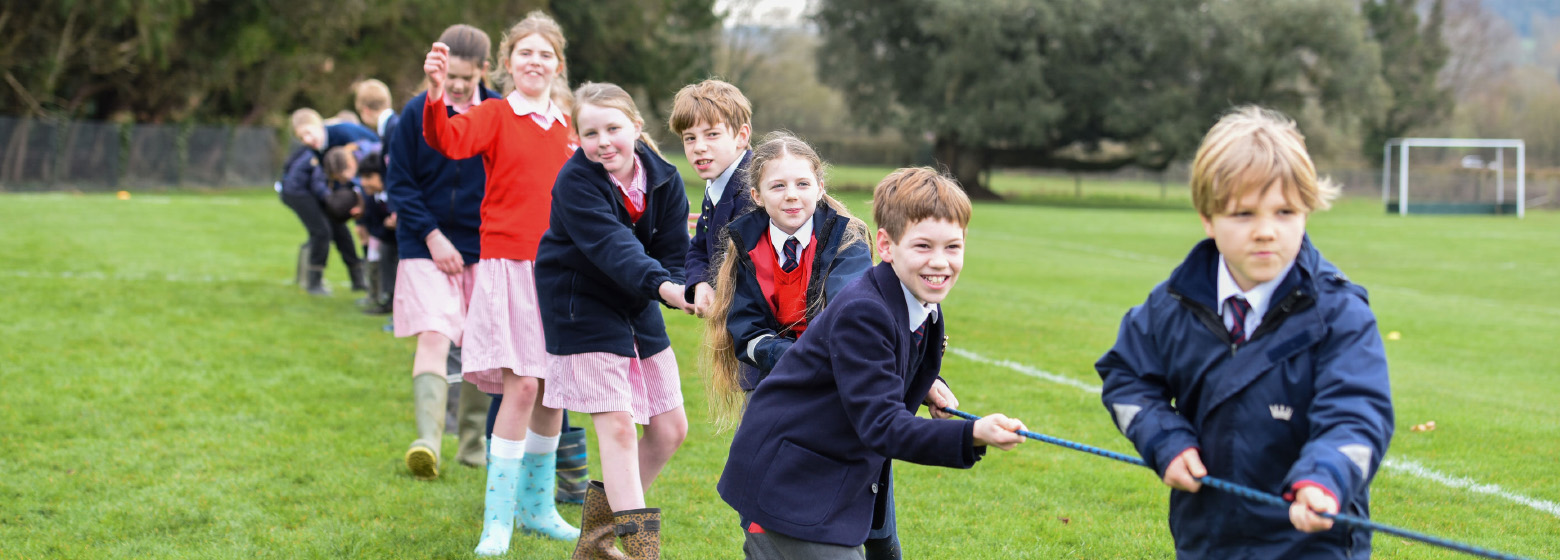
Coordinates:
(537,512)
(498,515)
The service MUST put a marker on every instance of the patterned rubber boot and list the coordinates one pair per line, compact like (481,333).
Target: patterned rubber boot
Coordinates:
(498,515)
(537,513)
(598,541)
(640,530)
(428,396)
(573,466)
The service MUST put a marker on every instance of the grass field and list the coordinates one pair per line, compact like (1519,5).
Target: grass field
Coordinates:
(168,394)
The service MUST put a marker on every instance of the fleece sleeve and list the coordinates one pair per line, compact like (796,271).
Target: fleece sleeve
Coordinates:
(401,177)
(586,210)
(1138,396)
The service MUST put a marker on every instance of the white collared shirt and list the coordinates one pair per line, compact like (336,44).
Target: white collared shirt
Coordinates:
(1260,296)
(543,116)
(714,189)
(803,237)
(384,117)
(919,312)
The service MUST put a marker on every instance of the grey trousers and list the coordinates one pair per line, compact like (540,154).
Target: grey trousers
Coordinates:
(775,546)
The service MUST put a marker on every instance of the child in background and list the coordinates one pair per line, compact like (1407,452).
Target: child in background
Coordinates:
(713,119)
(378,220)
(371,98)
(841,402)
(311,131)
(1257,361)
(523,141)
(437,202)
(615,250)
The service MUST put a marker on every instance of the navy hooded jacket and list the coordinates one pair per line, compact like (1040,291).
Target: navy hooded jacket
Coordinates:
(598,274)
(428,191)
(714,215)
(1305,399)
(302,174)
(751,320)
(811,459)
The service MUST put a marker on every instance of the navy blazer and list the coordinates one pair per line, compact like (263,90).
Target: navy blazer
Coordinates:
(429,191)
(714,215)
(598,274)
(811,459)
(1306,398)
(751,318)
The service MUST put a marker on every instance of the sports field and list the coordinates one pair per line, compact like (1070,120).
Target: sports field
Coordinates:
(165,392)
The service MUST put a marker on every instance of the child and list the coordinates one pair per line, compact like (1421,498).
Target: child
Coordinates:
(1257,362)
(371,99)
(379,221)
(437,203)
(713,119)
(524,141)
(303,189)
(841,402)
(616,247)
(796,255)
(311,131)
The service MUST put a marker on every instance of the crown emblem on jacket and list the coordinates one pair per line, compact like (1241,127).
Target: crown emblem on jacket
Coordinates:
(1281,412)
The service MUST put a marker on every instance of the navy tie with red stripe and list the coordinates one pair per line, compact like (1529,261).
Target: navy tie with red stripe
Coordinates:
(1239,308)
(790,254)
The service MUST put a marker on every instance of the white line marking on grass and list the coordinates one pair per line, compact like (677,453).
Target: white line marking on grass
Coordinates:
(1409,466)
(1399,464)
(1027,370)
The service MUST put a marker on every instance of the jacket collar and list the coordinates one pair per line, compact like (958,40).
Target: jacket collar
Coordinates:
(750,226)
(1197,277)
(657,171)
(892,291)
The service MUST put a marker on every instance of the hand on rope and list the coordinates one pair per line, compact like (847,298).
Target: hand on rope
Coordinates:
(1321,511)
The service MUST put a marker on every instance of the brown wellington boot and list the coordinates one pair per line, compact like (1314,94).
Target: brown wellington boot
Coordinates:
(640,530)
(597,541)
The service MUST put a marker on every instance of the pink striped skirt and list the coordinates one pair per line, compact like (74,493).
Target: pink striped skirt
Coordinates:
(504,325)
(426,299)
(604,382)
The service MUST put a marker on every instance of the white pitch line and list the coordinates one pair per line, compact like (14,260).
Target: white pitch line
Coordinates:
(1399,464)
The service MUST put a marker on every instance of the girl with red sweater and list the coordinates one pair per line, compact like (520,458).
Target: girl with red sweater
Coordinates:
(524,139)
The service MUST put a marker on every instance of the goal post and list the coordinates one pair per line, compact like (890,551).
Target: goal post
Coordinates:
(1403,145)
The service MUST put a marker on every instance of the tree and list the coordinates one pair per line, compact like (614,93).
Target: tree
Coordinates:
(1088,84)
(1413,56)
(650,48)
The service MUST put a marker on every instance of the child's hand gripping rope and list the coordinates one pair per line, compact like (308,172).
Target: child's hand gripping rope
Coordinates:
(1319,509)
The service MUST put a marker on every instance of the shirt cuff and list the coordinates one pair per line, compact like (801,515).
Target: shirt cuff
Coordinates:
(1290,495)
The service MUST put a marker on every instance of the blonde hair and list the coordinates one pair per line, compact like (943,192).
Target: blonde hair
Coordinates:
(1248,150)
(911,194)
(562,96)
(535,23)
(722,383)
(306,116)
(711,102)
(371,95)
(610,96)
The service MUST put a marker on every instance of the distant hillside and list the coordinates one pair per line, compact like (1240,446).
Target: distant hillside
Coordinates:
(1522,13)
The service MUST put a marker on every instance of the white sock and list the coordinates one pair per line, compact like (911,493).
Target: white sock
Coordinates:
(508,449)
(540,444)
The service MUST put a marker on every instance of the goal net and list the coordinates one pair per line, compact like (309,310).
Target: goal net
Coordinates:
(1456,176)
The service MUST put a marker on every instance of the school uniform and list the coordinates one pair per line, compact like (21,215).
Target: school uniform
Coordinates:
(812,455)
(1304,401)
(599,268)
(764,291)
(304,188)
(341,134)
(725,198)
(432,192)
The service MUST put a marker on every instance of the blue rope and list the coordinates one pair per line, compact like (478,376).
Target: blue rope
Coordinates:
(1264,497)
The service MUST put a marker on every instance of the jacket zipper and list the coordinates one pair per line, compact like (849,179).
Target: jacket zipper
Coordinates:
(1295,301)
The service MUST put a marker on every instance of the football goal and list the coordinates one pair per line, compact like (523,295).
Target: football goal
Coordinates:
(1462,190)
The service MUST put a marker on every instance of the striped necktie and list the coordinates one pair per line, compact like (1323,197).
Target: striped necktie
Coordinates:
(1240,308)
(790,254)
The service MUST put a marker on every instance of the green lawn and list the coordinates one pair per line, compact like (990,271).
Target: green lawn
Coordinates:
(168,394)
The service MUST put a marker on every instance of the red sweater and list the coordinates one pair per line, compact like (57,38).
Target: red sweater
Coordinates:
(786,292)
(522,161)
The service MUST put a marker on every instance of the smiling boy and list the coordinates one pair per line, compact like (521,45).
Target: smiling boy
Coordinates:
(809,467)
(1257,362)
(713,119)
